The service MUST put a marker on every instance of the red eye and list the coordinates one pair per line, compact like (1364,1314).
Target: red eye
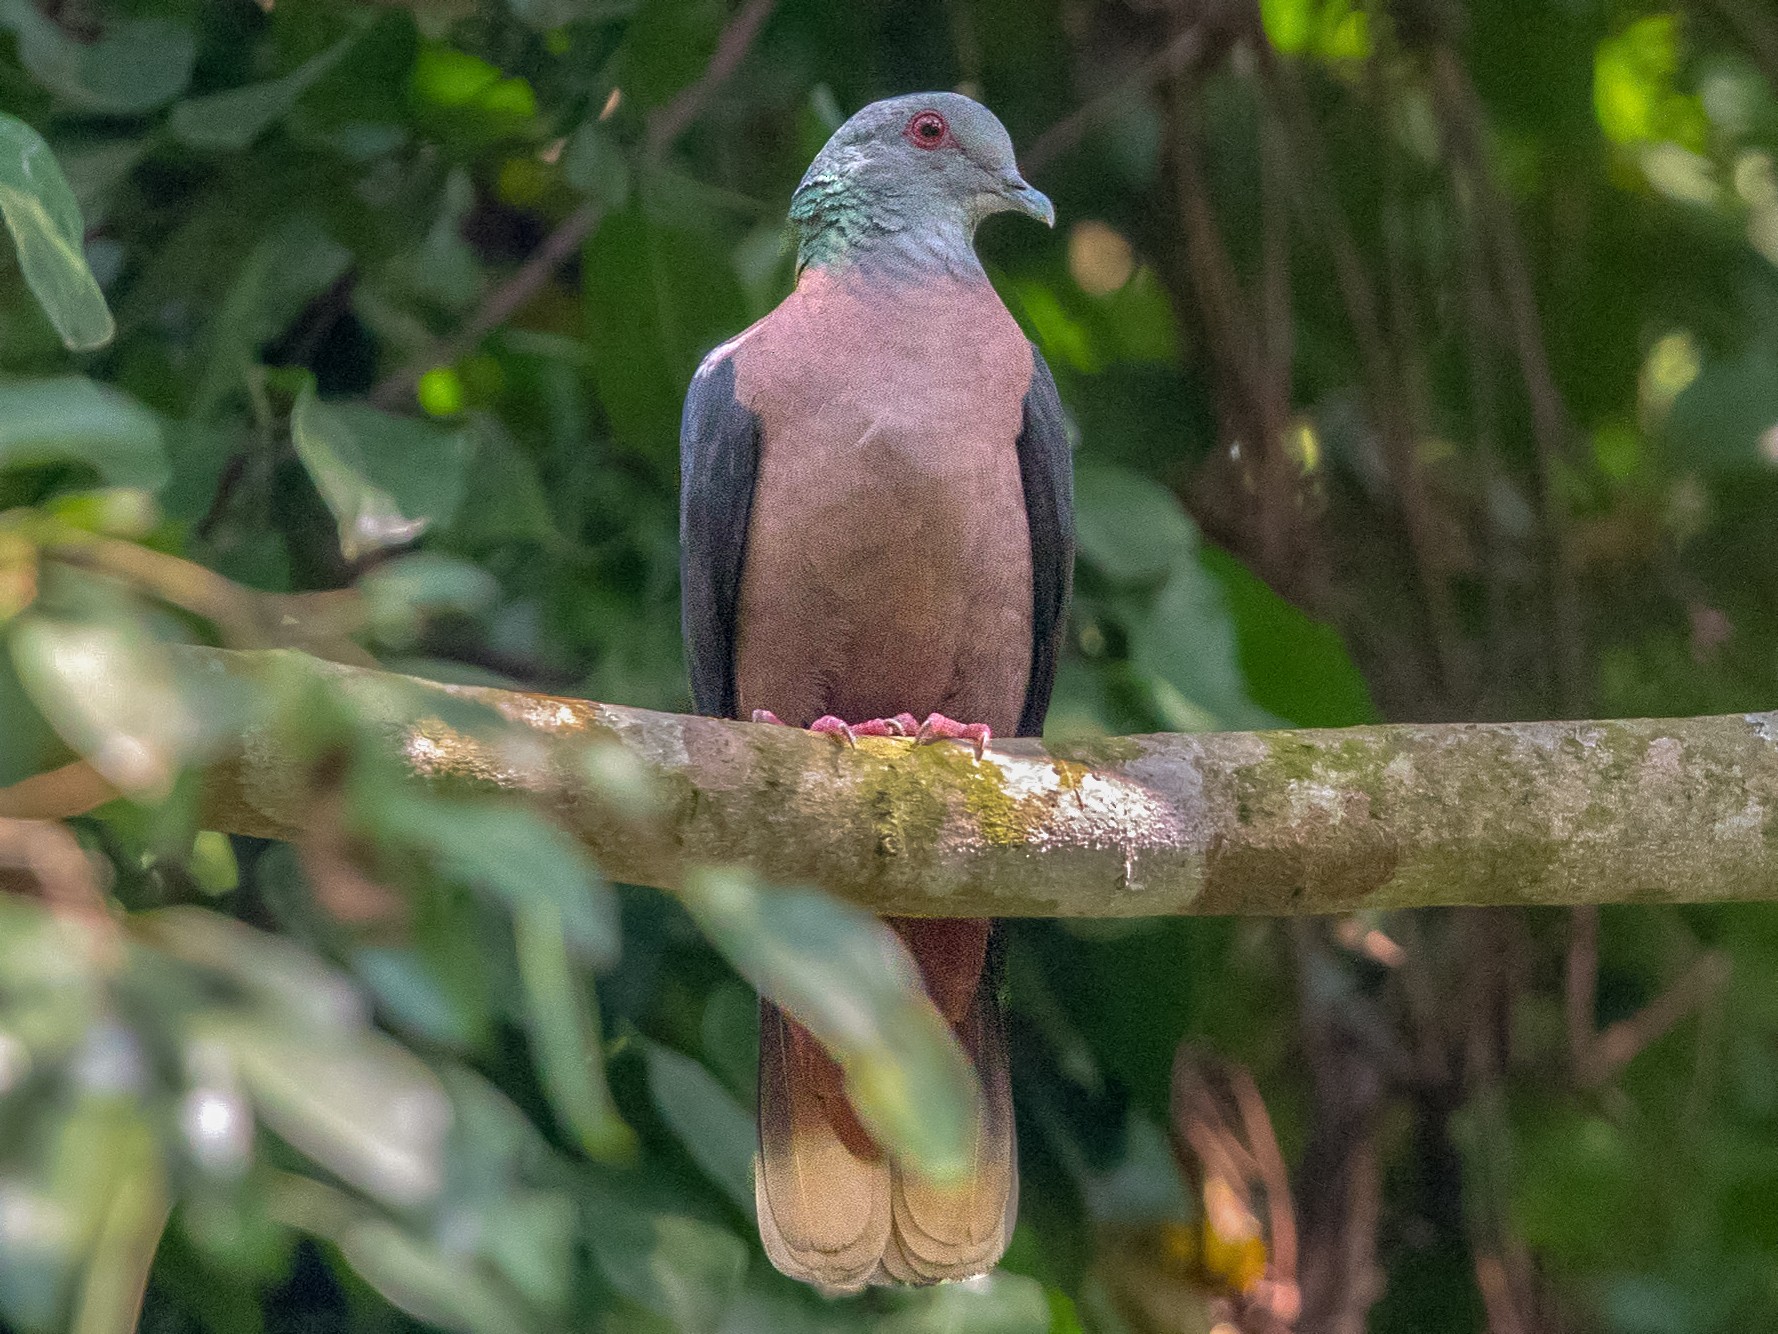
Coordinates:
(928,130)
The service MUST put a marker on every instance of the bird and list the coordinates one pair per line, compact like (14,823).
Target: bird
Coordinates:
(876,527)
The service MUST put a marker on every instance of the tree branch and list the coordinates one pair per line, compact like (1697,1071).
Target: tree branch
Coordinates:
(1238,822)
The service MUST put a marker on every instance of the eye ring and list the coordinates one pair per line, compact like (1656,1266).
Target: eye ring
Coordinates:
(927,129)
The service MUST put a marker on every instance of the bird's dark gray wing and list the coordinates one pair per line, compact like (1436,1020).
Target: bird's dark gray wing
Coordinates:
(1047,473)
(718,462)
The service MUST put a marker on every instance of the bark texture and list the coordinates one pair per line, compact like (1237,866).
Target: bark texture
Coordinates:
(1289,822)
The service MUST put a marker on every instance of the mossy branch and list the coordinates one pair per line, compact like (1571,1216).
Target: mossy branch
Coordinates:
(1239,822)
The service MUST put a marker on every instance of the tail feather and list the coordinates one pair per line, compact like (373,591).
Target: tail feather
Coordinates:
(833,1210)
(824,1213)
(958,1231)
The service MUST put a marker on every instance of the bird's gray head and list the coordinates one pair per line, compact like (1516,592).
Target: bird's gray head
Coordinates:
(910,177)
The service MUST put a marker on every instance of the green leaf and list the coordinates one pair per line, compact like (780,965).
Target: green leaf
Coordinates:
(428,1280)
(385,479)
(136,66)
(666,46)
(427,1283)
(503,849)
(717,1131)
(73,420)
(360,1105)
(277,972)
(123,1251)
(531,1237)
(44,219)
(681,1269)
(657,299)
(402,593)
(563,1021)
(108,688)
(849,980)
(510,503)
(296,261)
(1291,665)
(235,118)
(596,167)
(1182,638)
(1003,1303)
(1129,527)
(32,746)
(1185,645)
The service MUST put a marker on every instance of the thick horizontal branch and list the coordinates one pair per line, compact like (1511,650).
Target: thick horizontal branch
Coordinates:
(1235,822)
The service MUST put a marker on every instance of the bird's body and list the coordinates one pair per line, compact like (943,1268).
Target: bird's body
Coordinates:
(875,521)
(888,561)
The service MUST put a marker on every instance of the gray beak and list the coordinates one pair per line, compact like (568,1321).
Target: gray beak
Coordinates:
(1029,200)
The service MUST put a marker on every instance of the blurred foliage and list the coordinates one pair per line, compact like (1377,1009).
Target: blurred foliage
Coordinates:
(1424,363)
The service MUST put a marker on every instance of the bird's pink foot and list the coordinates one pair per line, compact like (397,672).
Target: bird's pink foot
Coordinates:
(902,724)
(937,727)
(838,728)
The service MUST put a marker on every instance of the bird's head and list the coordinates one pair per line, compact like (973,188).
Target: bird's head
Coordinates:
(922,169)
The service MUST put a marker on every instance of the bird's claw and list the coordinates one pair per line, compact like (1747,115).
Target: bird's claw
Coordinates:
(937,727)
(838,728)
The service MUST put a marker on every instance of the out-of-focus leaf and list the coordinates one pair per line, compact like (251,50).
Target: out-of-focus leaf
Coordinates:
(32,746)
(86,1190)
(1725,416)
(279,972)
(666,46)
(546,14)
(110,1296)
(563,1021)
(385,478)
(1185,644)
(594,165)
(428,1284)
(235,118)
(716,1130)
(510,505)
(682,1269)
(1002,1304)
(438,994)
(1129,526)
(295,261)
(505,850)
(360,1105)
(529,1235)
(1295,667)
(44,219)
(848,979)
(73,420)
(444,1287)
(658,298)
(136,66)
(465,98)
(212,863)
(109,690)
(402,593)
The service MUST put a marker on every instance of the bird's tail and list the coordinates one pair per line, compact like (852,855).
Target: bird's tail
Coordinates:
(833,1209)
